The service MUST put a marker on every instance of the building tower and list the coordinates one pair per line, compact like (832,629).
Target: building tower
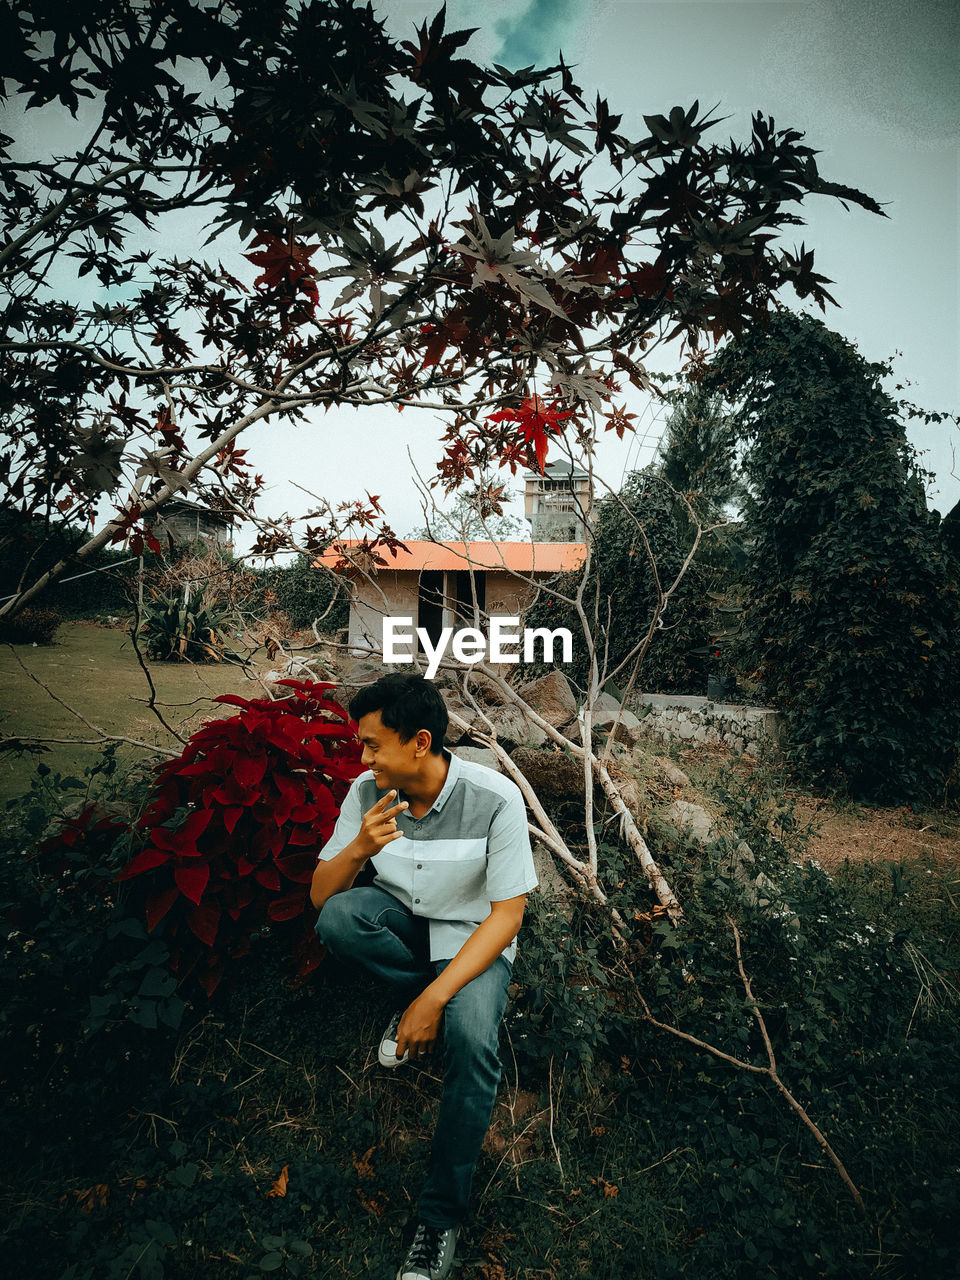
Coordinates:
(558,503)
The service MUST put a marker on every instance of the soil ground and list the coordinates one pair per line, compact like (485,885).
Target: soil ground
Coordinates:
(844,832)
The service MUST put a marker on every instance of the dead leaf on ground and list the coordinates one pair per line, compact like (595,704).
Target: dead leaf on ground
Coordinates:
(94,1197)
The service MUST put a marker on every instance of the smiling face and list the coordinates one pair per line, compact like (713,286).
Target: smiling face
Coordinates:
(395,764)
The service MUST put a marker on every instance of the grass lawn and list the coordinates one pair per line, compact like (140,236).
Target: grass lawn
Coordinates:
(95,670)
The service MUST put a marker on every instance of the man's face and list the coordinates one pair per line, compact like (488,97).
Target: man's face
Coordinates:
(394,763)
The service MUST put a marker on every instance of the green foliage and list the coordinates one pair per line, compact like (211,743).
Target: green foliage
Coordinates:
(307,594)
(621,595)
(858,993)
(696,455)
(671,1160)
(184,632)
(30,547)
(84,990)
(853,616)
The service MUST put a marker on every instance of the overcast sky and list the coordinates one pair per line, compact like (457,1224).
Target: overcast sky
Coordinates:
(874,85)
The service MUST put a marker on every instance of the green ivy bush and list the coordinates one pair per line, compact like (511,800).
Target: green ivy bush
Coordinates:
(33,546)
(860,1001)
(853,618)
(86,996)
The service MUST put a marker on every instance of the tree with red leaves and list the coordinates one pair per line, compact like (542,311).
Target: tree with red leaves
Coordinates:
(425,231)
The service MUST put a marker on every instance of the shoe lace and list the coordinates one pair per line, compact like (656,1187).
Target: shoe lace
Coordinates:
(427,1247)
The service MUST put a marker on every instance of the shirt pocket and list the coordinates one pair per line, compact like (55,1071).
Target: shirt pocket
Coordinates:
(452,889)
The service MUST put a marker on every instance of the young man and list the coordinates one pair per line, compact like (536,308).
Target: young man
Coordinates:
(449,843)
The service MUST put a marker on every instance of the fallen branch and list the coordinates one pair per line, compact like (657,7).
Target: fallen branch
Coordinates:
(770,1071)
(631,832)
(151,702)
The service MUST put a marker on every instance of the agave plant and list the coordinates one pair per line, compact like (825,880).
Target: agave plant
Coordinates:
(176,631)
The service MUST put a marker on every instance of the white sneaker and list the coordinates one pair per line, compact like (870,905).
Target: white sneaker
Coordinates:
(387,1053)
(431,1254)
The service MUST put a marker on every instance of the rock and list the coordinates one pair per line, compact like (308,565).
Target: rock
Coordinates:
(485,689)
(513,728)
(552,698)
(551,882)
(552,774)
(273,678)
(691,819)
(630,793)
(673,774)
(456,705)
(359,674)
(479,755)
(608,712)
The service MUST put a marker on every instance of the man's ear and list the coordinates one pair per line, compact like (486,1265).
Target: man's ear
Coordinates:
(424,742)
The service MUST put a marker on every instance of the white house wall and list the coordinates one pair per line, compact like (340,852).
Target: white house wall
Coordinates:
(506,596)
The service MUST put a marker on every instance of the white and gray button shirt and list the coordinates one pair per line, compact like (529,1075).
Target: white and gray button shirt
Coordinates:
(469,849)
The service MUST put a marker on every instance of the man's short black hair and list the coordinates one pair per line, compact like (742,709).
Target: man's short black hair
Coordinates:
(407,703)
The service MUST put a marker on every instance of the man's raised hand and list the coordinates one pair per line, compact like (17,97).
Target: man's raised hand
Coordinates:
(379,824)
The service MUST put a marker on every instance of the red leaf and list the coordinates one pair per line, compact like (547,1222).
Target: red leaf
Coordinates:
(285,908)
(159,905)
(203,922)
(210,979)
(267,876)
(249,770)
(298,867)
(192,881)
(305,837)
(231,816)
(145,861)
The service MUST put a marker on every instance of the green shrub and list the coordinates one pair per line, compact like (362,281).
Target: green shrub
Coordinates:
(30,626)
(179,632)
(621,593)
(306,594)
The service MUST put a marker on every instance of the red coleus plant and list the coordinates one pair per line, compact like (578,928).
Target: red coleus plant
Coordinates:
(235,825)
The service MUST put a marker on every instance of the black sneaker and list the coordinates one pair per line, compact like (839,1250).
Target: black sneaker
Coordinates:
(431,1254)
(387,1053)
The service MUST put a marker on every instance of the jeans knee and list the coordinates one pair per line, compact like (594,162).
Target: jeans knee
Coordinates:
(336,925)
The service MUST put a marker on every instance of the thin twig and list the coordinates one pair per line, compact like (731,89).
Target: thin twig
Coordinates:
(103,735)
(553,1141)
(770,1071)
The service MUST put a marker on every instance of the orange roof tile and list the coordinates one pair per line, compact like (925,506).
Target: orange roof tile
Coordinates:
(523,557)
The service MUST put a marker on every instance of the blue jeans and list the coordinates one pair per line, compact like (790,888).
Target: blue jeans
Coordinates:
(373,927)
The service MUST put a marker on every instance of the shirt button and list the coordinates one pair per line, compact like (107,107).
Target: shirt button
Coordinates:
(419,866)
(416,901)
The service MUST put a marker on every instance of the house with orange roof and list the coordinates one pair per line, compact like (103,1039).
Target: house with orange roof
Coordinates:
(439,584)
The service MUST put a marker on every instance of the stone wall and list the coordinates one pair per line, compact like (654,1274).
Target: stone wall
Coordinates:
(671,717)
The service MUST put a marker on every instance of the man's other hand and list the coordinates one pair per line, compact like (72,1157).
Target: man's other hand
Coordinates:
(419,1026)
